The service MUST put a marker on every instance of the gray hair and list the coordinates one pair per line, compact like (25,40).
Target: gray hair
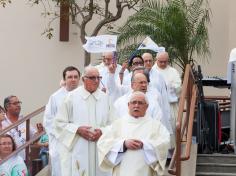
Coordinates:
(160,53)
(88,68)
(138,93)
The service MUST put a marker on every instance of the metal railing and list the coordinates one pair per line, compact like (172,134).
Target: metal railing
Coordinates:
(28,140)
(184,124)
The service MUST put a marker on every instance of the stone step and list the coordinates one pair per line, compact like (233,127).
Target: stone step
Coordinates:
(216,167)
(216,158)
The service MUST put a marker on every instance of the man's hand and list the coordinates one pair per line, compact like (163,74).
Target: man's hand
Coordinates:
(133,144)
(85,132)
(124,66)
(112,68)
(97,134)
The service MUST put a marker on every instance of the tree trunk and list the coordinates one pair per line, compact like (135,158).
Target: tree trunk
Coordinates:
(87,58)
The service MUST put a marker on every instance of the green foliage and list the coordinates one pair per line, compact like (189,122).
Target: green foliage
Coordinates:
(3,3)
(48,32)
(179,26)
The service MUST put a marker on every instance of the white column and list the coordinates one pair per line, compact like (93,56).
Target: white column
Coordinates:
(233,104)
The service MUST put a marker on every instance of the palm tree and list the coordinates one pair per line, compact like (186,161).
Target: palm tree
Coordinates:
(179,26)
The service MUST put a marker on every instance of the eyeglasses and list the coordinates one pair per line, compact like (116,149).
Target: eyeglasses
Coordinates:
(16,103)
(137,63)
(6,143)
(162,62)
(137,102)
(146,61)
(94,78)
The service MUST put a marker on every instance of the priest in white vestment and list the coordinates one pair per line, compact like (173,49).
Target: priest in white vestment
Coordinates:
(109,58)
(157,84)
(134,61)
(139,83)
(157,81)
(173,82)
(71,76)
(135,145)
(78,126)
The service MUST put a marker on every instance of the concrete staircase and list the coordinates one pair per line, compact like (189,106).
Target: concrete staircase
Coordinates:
(216,165)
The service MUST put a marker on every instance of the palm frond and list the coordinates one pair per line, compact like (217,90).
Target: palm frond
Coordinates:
(179,26)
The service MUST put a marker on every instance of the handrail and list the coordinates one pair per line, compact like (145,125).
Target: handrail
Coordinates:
(28,141)
(22,147)
(22,120)
(188,97)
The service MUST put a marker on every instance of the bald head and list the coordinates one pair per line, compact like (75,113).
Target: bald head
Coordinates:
(91,79)
(162,59)
(139,82)
(148,60)
(107,58)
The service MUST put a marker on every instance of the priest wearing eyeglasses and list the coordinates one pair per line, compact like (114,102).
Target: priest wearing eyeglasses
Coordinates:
(78,126)
(135,145)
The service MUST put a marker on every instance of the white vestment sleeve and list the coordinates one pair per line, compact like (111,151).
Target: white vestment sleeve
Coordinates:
(116,152)
(150,156)
(49,115)
(65,129)
(114,87)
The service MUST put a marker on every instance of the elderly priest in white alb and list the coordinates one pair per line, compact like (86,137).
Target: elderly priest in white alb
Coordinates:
(78,126)
(135,145)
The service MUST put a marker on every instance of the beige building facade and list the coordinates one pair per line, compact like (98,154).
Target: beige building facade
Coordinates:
(31,65)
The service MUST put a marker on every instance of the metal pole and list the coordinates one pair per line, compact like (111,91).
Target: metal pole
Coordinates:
(233,104)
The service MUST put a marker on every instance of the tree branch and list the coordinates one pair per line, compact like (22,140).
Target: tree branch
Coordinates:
(79,10)
(112,18)
(107,8)
(86,19)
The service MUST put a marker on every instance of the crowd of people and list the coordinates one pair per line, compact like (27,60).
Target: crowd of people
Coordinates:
(120,121)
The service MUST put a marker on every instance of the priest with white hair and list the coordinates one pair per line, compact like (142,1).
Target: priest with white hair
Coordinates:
(109,58)
(79,124)
(139,82)
(173,82)
(136,144)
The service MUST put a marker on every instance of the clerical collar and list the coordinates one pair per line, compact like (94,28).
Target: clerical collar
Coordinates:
(86,94)
(136,120)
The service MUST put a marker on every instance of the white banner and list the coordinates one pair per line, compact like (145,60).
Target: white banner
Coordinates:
(148,43)
(100,43)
